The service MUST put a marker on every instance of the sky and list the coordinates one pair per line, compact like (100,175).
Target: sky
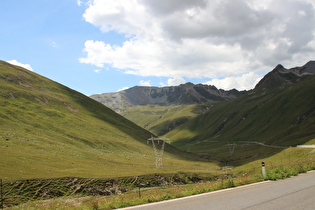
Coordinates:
(101,46)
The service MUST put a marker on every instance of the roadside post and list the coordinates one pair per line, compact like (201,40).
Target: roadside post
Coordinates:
(263,170)
(139,191)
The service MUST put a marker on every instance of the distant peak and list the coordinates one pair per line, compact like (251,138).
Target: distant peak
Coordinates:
(309,67)
(310,64)
(280,76)
(188,84)
(279,66)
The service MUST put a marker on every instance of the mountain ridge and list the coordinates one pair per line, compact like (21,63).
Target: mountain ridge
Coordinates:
(281,76)
(184,94)
(189,93)
(279,112)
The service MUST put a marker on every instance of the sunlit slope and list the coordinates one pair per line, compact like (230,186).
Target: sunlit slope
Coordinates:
(162,119)
(279,117)
(49,130)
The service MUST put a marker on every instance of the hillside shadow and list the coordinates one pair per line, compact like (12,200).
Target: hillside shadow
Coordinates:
(285,117)
(236,153)
(128,127)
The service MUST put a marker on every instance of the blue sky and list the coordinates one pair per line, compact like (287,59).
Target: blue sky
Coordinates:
(100,46)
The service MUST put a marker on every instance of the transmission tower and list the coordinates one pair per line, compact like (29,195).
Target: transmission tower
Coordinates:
(231,148)
(158,145)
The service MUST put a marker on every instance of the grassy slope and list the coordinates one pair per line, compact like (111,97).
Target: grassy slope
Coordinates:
(284,118)
(48,130)
(161,119)
(286,163)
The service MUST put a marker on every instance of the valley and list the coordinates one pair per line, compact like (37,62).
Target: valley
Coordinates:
(67,143)
(278,112)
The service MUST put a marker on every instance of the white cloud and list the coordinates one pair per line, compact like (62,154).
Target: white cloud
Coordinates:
(175,81)
(201,38)
(54,44)
(79,3)
(145,83)
(124,88)
(97,70)
(244,82)
(26,66)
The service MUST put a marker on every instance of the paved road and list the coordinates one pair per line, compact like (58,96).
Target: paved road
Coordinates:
(293,193)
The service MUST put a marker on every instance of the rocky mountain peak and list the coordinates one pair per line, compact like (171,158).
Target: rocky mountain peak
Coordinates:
(309,67)
(184,94)
(190,93)
(280,77)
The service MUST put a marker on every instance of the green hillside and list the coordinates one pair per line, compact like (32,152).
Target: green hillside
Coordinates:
(48,130)
(162,119)
(278,118)
(278,113)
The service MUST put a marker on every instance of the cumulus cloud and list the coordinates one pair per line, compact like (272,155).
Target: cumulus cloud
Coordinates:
(122,89)
(79,3)
(243,82)
(145,83)
(26,66)
(175,81)
(201,38)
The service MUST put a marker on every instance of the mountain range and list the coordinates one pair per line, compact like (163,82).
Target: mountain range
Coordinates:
(49,130)
(184,94)
(190,93)
(278,112)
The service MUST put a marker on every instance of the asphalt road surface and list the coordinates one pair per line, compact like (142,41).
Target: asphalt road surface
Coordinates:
(293,193)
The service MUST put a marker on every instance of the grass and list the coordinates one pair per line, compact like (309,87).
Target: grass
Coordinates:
(48,130)
(283,117)
(161,119)
(29,190)
(288,162)
(126,199)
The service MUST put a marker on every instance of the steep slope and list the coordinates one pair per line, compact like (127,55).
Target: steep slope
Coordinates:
(166,96)
(282,116)
(162,119)
(48,130)
(280,77)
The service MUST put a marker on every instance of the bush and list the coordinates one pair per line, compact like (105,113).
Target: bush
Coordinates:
(229,183)
(282,172)
(166,197)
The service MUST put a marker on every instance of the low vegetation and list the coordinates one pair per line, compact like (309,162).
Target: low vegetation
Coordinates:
(162,119)
(289,162)
(260,124)
(60,145)
(48,131)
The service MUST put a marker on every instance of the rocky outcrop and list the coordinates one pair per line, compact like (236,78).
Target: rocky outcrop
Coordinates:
(281,77)
(165,96)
